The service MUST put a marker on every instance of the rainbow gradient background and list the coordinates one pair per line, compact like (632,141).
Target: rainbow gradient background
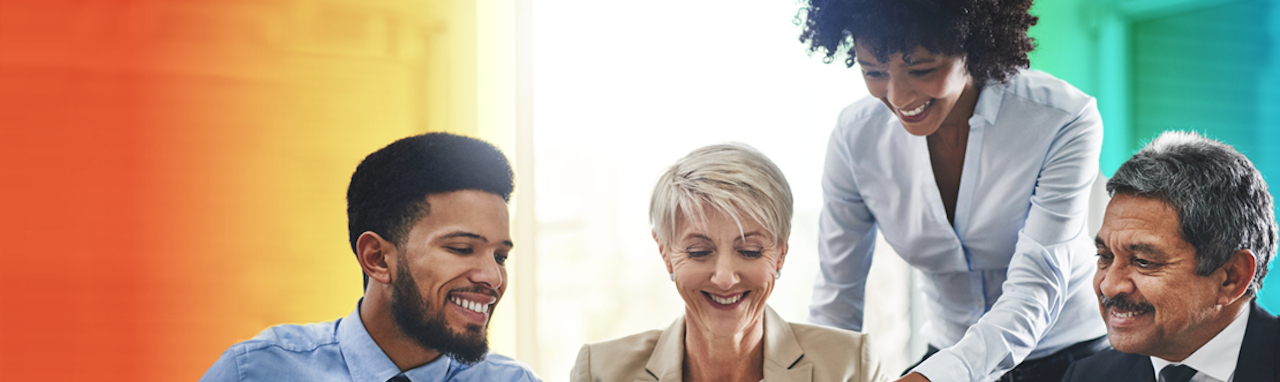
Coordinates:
(172,173)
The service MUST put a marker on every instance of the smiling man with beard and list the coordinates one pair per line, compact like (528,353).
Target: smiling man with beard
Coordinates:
(1182,252)
(428,223)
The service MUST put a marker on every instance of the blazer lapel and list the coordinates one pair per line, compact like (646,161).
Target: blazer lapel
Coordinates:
(1141,370)
(783,356)
(1258,353)
(668,354)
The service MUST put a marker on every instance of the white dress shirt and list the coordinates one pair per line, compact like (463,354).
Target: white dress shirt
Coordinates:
(1011,280)
(1216,360)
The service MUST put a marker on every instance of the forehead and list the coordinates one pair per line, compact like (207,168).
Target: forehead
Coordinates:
(716,222)
(472,211)
(1141,220)
(866,53)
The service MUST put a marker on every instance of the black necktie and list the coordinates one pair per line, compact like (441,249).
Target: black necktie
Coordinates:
(402,378)
(1178,373)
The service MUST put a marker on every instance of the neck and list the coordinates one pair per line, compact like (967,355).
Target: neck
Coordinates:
(1217,321)
(954,129)
(375,312)
(723,357)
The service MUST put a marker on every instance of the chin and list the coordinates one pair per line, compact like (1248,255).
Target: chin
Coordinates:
(1127,344)
(920,131)
(922,128)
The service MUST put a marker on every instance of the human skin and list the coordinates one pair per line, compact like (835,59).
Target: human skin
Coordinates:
(717,261)
(939,81)
(456,252)
(1169,311)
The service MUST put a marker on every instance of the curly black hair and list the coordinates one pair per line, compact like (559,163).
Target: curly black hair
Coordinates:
(990,34)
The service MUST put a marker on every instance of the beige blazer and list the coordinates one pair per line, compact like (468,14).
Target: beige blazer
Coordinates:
(792,352)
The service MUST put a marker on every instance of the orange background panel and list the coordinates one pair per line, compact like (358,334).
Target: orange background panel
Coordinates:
(174,172)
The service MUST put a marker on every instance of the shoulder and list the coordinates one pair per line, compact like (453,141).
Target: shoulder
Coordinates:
(863,116)
(618,359)
(497,367)
(1033,88)
(826,339)
(1106,366)
(297,338)
(638,346)
(838,353)
(280,350)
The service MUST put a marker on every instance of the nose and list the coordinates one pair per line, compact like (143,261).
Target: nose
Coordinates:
(898,92)
(1114,280)
(725,274)
(487,271)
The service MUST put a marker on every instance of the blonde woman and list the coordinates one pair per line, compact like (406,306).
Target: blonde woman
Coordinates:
(721,217)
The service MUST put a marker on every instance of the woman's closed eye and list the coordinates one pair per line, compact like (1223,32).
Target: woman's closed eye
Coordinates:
(699,253)
(922,72)
(751,254)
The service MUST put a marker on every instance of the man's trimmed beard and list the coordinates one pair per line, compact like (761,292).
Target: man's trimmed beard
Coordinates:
(409,312)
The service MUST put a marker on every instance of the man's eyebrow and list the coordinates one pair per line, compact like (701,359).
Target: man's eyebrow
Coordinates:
(470,235)
(1144,248)
(1097,241)
(465,234)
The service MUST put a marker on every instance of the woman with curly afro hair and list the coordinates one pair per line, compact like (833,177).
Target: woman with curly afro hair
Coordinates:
(975,170)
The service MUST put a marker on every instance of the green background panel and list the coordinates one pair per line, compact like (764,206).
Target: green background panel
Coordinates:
(1212,66)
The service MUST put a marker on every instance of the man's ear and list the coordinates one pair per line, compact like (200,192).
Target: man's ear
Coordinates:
(663,251)
(376,256)
(1237,275)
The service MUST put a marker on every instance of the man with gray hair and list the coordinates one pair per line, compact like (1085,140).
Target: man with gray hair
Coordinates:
(1183,249)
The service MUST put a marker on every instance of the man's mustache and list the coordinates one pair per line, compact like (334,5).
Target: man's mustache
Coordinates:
(1123,302)
(476,289)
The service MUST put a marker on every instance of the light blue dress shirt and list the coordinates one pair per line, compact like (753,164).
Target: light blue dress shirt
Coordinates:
(1012,279)
(342,350)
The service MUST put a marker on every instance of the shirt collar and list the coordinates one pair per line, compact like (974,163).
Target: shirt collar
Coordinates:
(1217,358)
(368,363)
(988,106)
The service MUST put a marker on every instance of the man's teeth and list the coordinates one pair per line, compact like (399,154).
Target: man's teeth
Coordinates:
(1126,315)
(471,305)
(918,110)
(727,301)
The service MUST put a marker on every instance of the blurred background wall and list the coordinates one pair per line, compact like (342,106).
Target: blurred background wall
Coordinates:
(172,173)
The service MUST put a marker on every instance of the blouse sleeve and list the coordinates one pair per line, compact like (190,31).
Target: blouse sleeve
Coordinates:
(847,233)
(1036,288)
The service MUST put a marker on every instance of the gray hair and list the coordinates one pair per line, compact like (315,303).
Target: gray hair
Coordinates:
(1222,201)
(728,177)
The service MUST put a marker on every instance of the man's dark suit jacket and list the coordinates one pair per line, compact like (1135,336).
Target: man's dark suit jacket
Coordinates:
(1259,357)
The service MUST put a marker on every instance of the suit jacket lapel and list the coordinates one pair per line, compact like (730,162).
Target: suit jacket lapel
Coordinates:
(1141,370)
(1258,360)
(666,362)
(782,352)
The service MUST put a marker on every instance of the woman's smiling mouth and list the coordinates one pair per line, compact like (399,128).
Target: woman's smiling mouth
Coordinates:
(917,110)
(725,302)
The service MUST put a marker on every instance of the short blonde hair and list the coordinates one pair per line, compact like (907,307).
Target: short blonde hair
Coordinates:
(729,177)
